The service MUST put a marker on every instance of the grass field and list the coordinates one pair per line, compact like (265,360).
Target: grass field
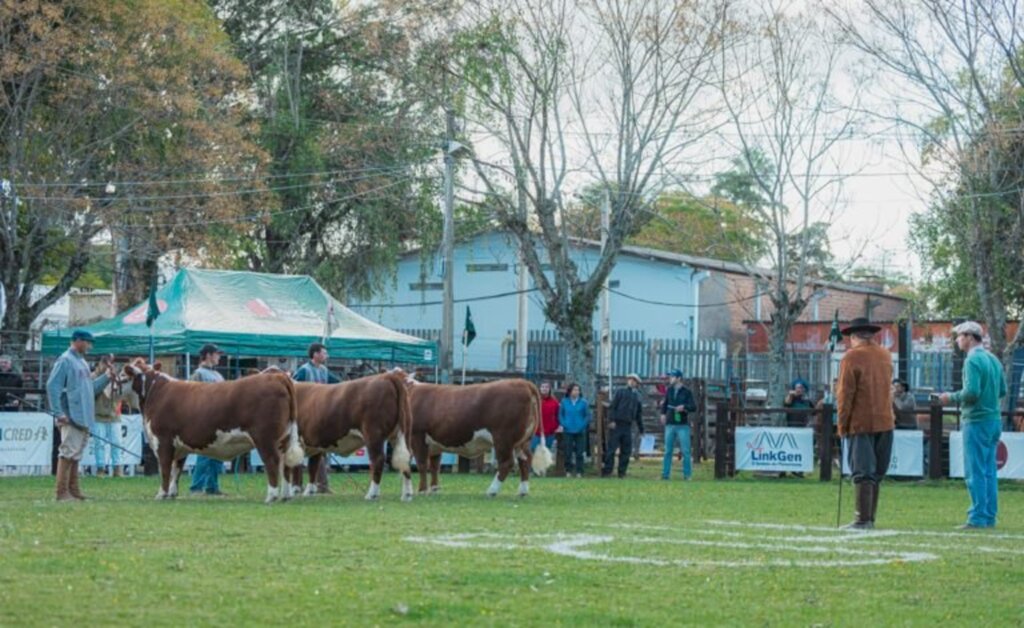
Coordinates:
(638,551)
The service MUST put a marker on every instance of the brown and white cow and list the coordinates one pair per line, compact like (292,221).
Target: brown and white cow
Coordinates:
(219,420)
(341,418)
(470,421)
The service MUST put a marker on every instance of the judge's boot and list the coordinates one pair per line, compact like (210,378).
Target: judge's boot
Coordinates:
(864,495)
(76,492)
(63,477)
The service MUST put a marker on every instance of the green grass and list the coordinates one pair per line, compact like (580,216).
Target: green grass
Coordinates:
(124,559)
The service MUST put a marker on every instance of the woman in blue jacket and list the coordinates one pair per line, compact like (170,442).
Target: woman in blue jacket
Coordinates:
(574,417)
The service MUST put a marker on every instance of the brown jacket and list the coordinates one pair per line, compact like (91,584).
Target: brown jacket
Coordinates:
(864,394)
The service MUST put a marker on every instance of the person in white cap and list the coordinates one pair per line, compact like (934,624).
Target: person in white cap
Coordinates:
(979,397)
(626,408)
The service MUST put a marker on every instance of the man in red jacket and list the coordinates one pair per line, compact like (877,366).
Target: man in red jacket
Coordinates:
(548,418)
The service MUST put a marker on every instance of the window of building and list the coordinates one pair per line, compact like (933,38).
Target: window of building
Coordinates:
(486,268)
(427,285)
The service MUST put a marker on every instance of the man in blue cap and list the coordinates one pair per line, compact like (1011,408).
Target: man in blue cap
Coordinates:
(675,416)
(71,391)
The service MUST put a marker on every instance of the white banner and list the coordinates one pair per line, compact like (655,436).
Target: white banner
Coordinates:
(358,458)
(1009,456)
(907,454)
(26,440)
(774,449)
(131,439)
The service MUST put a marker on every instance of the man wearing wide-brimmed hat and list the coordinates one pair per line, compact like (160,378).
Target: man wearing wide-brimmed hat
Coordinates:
(984,386)
(626,408)
(865,416)
(71,391)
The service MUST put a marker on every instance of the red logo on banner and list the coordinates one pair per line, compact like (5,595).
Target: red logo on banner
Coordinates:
(1002,455)
(260,308)
(138,315)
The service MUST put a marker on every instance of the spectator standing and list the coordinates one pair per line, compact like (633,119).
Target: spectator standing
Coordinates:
(574,420)
(798,399)
(206,473)
(903,405)
(675,416)
(108,421)
(9,381)
(315,371)
(625,409)
(983,388)
(548,418)
(864,407)
(71,392)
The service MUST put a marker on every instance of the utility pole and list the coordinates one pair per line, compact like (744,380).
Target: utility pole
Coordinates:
(523,313)
(606,319)
(448,243)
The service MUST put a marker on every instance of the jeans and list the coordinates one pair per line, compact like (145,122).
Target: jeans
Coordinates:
(981,438)
(682,434)
(205,475)
(621,439)
(574,446)
(549,441)
(112,433)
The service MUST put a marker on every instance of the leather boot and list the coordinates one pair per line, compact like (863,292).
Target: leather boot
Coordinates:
(73,488)
(63,476)
(864,495)
(875,490)
(117,471)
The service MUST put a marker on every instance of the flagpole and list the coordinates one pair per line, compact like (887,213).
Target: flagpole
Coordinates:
(464,358)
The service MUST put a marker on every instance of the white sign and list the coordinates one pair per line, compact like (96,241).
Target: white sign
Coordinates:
(26,440)
(774,449)
(1009,456)
(646,445)
(131,439)
(907,454)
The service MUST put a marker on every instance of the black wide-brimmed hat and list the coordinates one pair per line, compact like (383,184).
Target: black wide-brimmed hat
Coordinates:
(860,324)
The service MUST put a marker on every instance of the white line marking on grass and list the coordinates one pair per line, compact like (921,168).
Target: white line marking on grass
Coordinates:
(869,533)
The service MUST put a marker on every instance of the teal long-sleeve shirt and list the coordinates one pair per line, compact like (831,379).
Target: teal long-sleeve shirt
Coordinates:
(72,391)
(983,386)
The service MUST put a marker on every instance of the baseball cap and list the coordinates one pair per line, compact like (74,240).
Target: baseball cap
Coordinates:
(81,334)
(969,327)
(675,373)
(209,348)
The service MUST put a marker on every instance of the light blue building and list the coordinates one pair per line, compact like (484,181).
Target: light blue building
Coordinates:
(486,265)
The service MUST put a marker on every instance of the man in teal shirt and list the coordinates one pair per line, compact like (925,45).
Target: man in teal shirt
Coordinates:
(983,388)
(206,472)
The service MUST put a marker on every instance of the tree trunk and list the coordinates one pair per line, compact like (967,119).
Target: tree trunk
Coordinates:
(580,347)
(778,375)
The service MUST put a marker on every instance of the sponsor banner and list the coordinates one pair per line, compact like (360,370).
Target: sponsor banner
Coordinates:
(774,449)
(447,459)
(1009,456)
(907,454)
(26,440)
(131,439)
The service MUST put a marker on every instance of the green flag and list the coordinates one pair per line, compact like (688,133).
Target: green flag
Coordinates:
(154,309)
(835,336)
(469,333)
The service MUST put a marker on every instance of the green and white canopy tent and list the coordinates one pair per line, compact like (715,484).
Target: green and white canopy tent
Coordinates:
(248,314)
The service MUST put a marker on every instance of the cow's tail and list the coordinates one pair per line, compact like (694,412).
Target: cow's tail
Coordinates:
(401,458)
(293,453)
(542,458)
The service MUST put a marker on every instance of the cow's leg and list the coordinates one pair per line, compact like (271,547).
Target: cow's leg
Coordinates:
(375,450)
(505,460)
(177,467)
(165,456)
(272,465)
(314,468)
(295,479)
(406,486)
(420,451)
(523,457)
(435,470)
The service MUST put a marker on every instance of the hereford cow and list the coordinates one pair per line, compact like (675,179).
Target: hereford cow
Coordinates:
(470,420)
(220,420)
(341,418)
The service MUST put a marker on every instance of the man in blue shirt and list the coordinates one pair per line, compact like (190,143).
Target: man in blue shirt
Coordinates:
(71,391)
(206,473)
(315,371)
(675,416)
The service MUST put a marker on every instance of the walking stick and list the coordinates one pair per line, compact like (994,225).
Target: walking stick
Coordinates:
(839,506)
(834,336)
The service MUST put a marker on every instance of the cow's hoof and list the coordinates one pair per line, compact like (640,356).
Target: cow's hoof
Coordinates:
(161,497)
(372,498)
(434,490)
(422,493)
(491,495)
(523,495)
(407,497)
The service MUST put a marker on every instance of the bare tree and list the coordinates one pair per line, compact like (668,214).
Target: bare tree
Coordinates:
(573,91)
(780,86)
(957,75)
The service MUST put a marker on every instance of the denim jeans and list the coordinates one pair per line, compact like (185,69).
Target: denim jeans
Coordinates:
(205,475)
(574,446)
(549,441)
(112,433)
(981,438)
(672,434)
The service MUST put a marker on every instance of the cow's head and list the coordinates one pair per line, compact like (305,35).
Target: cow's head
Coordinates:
(143,377)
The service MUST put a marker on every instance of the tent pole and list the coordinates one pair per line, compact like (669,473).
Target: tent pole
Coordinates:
(188,365)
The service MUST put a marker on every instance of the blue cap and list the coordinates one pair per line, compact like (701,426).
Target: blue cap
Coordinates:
(675,373)
(81,334)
